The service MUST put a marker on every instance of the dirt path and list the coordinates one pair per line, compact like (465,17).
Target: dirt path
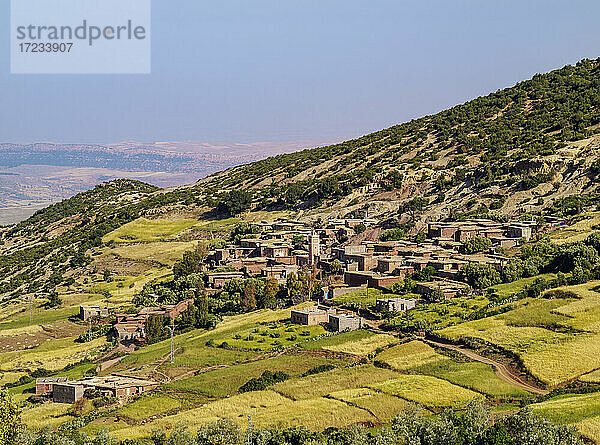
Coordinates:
(501,370)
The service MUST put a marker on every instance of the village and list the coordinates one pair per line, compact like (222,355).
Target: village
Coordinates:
(280,248)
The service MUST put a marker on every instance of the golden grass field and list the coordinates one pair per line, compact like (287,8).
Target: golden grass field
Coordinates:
(364,346)
(335,380)
(383,406)
(409,355)
(551,356)
(426,390)
(165,253)
(267,408)
(47,414)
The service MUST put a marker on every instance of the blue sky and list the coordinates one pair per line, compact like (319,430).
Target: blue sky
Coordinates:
(276,70)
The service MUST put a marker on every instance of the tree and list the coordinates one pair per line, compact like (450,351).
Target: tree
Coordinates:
(360,228)
(10,419)
(192,261)
(54,300)
(155,326)
(477,244)
(235,202)
(480,276)
(297,286)
(270,293)
(222,432)
(249,298)
(202,305)
(425,274)
(336,267)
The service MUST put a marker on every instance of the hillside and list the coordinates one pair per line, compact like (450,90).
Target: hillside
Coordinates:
(535,140)
(511,324)
(517,151)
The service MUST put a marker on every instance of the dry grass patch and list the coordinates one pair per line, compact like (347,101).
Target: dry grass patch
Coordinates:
(383,406)
(590,428)
(335,380)
(52,355)
(426,390)
(578,231)
(409,355)
(48,414)
(146,230)
(161,252)
(364,346)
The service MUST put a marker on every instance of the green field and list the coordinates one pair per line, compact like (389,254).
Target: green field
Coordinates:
(146,230)
(366,297)
(570,408)
(506,290)
(150,405)
(272,336)
(226,381)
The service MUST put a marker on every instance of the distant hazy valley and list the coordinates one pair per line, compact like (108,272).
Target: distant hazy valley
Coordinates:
(35,175)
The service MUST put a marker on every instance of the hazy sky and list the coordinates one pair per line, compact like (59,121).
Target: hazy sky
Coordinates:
(274,70)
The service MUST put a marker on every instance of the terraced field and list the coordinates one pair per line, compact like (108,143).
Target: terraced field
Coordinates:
(552,337)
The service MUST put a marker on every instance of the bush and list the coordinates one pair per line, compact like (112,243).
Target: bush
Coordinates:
(318,369)
(267,379)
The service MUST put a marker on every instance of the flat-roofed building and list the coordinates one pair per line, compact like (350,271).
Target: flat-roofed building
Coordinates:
(86,312)
(45,385)
(311,316)
(116,385)
(68,392)
(395,304)
(344,322)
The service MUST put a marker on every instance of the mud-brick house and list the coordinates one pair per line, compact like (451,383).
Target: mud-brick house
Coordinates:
(87,312)
(117,386)
(395,304)
(311,316)
(217,280)
(45,385)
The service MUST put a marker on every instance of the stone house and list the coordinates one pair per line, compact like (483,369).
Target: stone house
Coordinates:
(87,312)
(344,322)
(395,304)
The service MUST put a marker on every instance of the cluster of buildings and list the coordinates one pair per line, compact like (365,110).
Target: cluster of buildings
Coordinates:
(132,326)
(275,252)
(61,390)
(281,247)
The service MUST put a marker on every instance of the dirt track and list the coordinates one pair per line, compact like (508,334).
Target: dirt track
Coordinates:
(502,371)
